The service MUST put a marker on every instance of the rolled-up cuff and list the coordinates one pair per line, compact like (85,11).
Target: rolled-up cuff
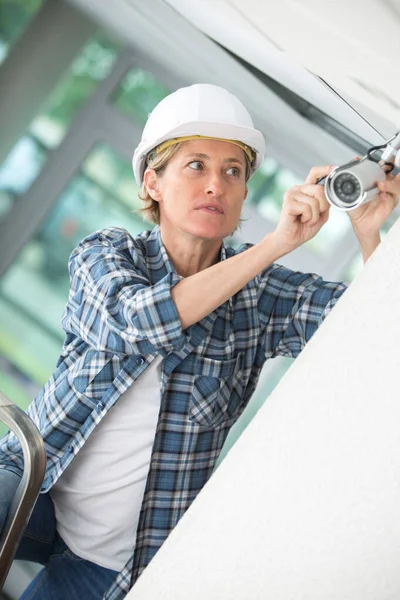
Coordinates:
(156,317)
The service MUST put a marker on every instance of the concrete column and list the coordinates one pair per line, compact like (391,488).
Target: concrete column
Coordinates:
(35,64)
(306,504)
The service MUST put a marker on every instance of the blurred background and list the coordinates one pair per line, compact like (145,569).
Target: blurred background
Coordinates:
(77,81)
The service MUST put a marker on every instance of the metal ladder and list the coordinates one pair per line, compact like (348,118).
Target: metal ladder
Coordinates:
(28,490)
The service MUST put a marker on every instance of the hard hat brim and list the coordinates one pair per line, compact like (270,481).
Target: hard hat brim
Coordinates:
(250,137)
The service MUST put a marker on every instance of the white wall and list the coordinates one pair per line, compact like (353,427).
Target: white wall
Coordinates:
(306,505)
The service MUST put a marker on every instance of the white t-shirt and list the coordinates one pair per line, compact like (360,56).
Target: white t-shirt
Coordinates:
(98,498)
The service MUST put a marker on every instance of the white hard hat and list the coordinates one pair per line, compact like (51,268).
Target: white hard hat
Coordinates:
(198,110)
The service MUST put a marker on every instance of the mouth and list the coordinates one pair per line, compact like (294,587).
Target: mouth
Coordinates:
(211,209)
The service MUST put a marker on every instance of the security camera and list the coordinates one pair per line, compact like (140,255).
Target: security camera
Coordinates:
(354,183)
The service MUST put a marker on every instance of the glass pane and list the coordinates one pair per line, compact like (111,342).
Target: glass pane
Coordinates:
(30,323)
(336,228)
(93,65)
(14,385)
(27,158)
(22,166)
(14,18)
(28,340)
(354,268)
(108,170)
(267,188)
(6,202)
(138,94)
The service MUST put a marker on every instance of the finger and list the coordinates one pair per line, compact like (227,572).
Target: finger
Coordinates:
(391,186)
(296,209)
(387,202)
(314,191)
(389,197)
(317,173)
(304,206)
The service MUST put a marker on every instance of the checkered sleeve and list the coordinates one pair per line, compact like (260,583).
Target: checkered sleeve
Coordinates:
(292,305)
(112,304)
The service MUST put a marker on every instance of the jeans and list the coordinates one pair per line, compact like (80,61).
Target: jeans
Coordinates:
(65,575)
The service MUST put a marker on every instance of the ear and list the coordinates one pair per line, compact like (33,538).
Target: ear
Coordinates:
(150,180)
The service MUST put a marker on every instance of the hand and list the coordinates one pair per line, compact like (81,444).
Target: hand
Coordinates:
(368,218)
(305,210)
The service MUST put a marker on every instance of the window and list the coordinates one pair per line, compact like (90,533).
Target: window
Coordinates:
(15,16)
(138,94)
(48,129)
(93,64)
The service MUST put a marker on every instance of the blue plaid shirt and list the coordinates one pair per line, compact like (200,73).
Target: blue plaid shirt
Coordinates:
(119,317)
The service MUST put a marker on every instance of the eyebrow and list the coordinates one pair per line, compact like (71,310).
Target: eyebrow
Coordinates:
(205,156)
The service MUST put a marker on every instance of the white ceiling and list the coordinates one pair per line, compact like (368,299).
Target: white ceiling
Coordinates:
(352,44)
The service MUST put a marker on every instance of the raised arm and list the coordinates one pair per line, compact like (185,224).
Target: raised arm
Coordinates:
(305,210)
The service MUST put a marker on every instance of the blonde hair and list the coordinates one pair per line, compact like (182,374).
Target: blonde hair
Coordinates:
(159,161)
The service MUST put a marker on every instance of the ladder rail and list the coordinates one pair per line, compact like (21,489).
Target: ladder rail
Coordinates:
(29,487)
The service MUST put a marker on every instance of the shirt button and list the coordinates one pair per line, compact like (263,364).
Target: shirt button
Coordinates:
(71,449)
(140,360)
(99,407)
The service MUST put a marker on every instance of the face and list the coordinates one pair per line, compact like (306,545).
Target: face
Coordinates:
(202,189)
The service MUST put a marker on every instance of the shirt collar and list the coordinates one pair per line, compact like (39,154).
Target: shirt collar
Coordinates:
(158,262)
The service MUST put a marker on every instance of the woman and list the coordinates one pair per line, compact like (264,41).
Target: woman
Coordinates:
(170,330)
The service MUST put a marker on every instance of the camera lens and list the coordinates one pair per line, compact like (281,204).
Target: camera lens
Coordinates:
(347,187)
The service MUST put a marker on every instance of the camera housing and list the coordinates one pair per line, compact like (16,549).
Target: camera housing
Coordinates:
(354,183)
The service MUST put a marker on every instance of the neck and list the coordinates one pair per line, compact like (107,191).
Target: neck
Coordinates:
(191,255)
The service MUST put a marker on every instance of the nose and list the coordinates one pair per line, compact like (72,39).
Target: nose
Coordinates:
(214,186)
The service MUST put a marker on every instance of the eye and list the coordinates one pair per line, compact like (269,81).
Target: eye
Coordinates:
(196,165)
(234,171)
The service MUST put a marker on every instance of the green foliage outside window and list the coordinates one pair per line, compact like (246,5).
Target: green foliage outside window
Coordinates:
(138,94)
(14,17)
(92,66)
